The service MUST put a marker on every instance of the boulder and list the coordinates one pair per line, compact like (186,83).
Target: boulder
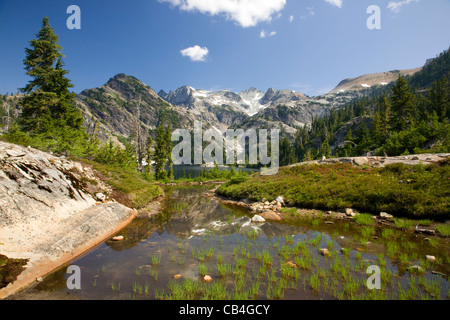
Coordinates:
(280,200)
(361,161)
(386,216)
(258,219)
(431,258)
(100,197)
(415,268)
(425,231)
(349,212)
(270,215)
(207,278)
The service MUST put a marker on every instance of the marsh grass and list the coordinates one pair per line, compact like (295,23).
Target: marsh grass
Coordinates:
(137,288)
(314,282)
(443,229)
(267,259)
(209,253)
(315,241)
(223,269)
(425,222)
(433,242)
(367,233)
(364,219)
(202,269)
(156,259)
(115,287)
(392,248)
(404,224)
(345,252)
(330,245)
(387,233)
(256,268)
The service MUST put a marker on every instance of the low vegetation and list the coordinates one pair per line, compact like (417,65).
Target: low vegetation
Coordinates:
(10,269)
(401,190)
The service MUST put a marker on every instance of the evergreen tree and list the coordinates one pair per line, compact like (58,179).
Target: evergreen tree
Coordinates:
(439,97)
(402,102)
(148,168)
(169,151)
(48,104)
(308,156)
(385,119)
(325,149)
(376,131)
(49,116)
(160,156)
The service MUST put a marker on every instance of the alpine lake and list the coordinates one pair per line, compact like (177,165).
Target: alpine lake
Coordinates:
(167,256)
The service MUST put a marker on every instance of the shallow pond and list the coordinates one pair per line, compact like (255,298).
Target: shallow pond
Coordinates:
(196,235)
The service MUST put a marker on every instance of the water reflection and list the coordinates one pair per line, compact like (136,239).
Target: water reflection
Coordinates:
(194,228)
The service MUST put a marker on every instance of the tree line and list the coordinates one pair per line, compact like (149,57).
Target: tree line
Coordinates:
(400,122)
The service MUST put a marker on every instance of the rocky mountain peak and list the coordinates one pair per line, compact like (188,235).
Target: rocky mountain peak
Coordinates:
(268,96)
(163,94)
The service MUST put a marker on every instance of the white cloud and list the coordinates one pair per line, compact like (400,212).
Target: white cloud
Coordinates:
(291,18)
(246,13)
(396,6)
(195,53)
(337,3)
(265,34)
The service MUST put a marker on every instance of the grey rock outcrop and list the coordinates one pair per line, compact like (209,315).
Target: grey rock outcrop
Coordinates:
(46,213)
(373,161)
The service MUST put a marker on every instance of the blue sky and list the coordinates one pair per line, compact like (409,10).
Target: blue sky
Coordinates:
(304,45)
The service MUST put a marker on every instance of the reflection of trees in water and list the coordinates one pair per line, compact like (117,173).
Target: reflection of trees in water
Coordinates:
(203,215)
(138,230)
(187,212)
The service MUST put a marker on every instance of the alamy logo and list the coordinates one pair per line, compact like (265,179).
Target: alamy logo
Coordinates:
(374,281)
(74,280)
(74,21)
(235,147)
(374,21)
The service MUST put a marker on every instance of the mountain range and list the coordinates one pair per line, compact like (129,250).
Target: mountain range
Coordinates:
(116,109)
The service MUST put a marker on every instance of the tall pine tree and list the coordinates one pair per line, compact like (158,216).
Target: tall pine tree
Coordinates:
(48,107)
(160,155)
(402,104)
(169,151)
